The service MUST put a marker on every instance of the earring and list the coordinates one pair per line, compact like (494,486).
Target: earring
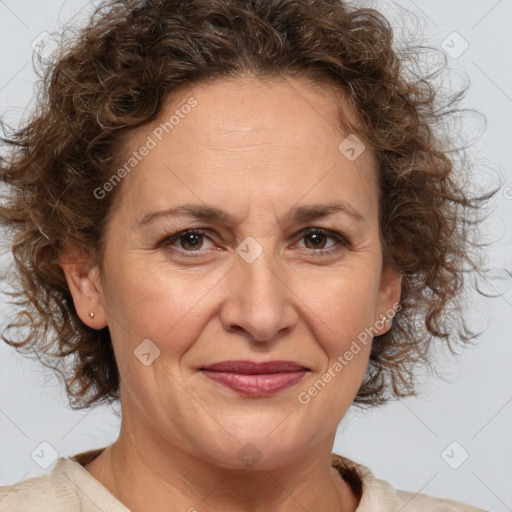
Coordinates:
(383,318)
(91,314)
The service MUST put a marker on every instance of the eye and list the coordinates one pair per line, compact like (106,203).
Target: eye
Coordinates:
(192,241)
(316,238)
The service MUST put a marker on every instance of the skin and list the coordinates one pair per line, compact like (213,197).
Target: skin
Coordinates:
(255,149)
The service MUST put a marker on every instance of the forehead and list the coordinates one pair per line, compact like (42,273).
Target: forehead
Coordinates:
(250,106)
(248,137)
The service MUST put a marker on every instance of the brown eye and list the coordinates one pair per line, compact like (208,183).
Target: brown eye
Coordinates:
(316,239)
(189,241)
(192,241)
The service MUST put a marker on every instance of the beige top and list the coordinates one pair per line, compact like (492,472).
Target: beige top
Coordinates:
(71,488)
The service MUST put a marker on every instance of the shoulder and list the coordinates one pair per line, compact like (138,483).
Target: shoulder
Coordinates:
(412,502)
(32,495)
(68,488)
(57,491)
(378,495)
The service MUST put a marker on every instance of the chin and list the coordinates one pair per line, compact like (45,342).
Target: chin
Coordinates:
(253,451)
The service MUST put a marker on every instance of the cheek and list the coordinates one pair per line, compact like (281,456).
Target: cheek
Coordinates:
(340,304)
(342,321)
(148,300)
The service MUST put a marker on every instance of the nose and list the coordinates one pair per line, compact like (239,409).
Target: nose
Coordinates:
(259,304)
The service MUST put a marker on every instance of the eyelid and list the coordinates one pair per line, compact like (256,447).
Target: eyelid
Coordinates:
(168,240)
(341,240)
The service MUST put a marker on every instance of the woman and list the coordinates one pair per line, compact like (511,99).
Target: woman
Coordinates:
(233,214)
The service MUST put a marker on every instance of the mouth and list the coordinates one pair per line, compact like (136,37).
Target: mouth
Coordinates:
(256,379)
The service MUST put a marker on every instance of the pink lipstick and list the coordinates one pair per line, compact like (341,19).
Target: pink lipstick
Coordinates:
(256,379)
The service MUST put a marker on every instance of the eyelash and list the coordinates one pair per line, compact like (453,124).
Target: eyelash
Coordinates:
(167,242)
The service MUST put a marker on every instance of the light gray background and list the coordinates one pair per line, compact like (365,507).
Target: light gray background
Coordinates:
(401,442)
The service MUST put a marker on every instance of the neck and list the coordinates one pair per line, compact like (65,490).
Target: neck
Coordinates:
(142,476)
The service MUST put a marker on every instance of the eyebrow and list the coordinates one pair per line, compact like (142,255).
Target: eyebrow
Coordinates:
(211,213)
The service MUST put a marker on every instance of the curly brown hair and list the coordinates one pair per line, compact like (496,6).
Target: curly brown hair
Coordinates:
(117,73)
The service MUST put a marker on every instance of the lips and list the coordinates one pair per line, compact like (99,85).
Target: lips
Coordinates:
(256,379)
(253,368)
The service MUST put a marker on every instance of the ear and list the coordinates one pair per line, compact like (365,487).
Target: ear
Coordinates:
(388,301)
(83,279)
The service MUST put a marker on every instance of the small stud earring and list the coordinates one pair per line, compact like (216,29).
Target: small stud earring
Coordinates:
(91,314)
(383,318)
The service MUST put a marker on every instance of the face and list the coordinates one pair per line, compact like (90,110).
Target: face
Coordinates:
(246,279)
